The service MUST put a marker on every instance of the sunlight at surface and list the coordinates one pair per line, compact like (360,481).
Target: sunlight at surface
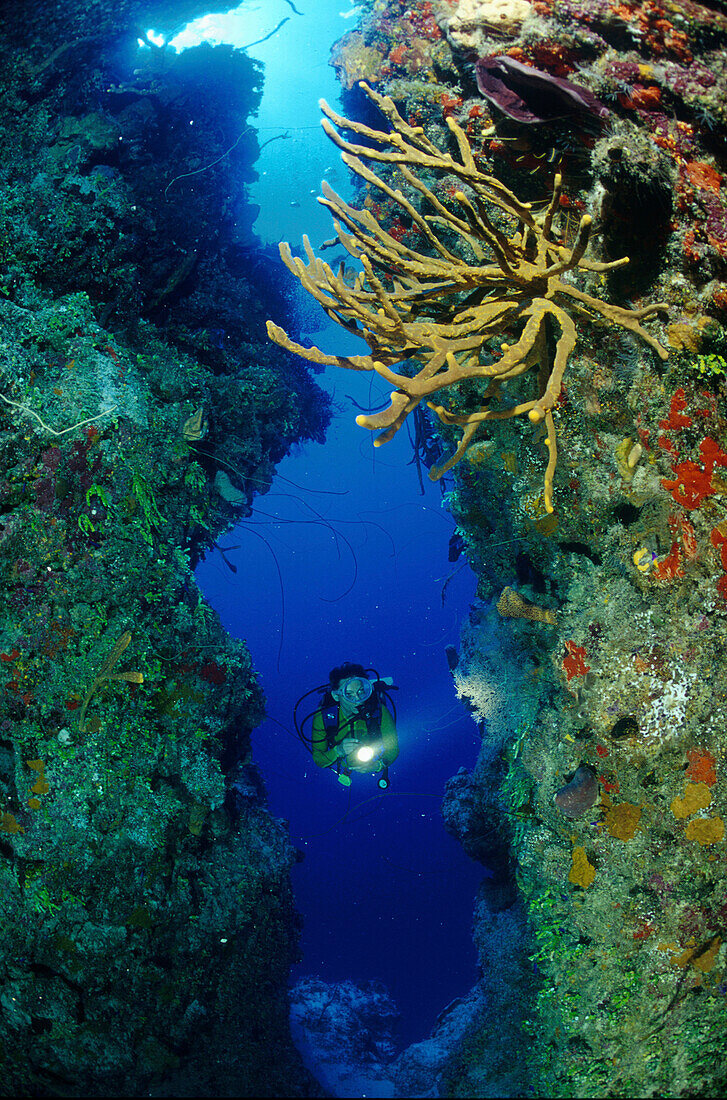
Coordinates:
(238,27)
(248,23)
(157,39)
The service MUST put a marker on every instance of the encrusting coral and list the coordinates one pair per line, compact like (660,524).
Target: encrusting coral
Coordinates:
(442,310)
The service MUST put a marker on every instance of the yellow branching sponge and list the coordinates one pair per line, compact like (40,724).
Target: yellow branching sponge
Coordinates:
(479,302)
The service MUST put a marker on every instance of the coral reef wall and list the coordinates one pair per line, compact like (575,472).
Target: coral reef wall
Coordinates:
(595,657)
(147,925)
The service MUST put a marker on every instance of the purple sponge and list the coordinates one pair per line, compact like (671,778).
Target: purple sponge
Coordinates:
(578,796)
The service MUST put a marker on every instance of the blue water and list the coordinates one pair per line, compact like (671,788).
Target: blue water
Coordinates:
(384,891)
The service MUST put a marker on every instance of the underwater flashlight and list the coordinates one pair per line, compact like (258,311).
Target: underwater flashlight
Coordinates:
(365,754)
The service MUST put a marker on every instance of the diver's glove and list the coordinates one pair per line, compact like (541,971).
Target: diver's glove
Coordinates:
(347,746)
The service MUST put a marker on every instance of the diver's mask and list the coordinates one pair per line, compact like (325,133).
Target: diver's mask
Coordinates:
(353,693)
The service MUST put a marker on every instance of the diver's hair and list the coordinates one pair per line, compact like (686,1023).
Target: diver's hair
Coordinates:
(343,672)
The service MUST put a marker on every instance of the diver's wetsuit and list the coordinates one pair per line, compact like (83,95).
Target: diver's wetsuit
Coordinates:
(354,727)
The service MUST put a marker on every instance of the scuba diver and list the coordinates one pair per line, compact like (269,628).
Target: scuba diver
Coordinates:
(354,725)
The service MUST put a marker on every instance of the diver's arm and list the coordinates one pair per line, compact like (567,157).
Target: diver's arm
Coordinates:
(322,756)
(389,737)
